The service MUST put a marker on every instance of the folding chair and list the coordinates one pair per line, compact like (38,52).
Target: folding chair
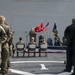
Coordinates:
(31,48)
(43,49)
(20,48)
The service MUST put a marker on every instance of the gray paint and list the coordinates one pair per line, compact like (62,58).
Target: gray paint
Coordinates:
(21,15)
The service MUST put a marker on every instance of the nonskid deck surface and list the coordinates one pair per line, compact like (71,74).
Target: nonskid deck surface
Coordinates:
(53,64)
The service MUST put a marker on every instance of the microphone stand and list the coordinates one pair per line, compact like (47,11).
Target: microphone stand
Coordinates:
(26,40)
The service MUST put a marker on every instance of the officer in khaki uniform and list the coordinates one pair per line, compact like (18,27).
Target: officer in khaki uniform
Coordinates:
(20,42)
(5,55)
(31,42)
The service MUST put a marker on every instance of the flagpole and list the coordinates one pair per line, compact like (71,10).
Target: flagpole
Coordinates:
(55,30)
(47,34)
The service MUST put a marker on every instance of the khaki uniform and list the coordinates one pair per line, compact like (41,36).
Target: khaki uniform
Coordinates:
(6,50)
(32,43)
(31,49)
(20,43)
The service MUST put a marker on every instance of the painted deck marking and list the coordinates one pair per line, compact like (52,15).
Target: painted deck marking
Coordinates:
(21,72)
(43,67)
(37,62)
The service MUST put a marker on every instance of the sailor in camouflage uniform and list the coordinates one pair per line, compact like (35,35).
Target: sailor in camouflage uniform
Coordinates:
(10,36)
(5,55)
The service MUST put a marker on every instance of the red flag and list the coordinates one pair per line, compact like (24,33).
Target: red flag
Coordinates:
(39,28)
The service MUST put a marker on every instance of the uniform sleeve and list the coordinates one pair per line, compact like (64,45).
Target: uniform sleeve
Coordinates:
(10,34)
(3,37)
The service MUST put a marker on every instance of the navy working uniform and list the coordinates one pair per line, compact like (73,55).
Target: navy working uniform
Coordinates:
(5,54)
(41,37)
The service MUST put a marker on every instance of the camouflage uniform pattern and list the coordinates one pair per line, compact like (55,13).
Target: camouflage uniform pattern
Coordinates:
(57,41)
(10,43)
(6,49)
(3,38)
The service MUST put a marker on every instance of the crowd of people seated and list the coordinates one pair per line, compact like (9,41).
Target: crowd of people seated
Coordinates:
(57,41)
(42,40)
(20,45)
